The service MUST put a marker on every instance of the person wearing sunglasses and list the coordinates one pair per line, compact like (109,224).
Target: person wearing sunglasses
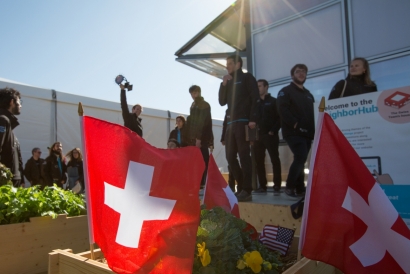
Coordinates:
(33,170)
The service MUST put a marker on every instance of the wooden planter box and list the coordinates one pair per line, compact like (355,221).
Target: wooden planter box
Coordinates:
(306,266)
(65,262)
(24,247)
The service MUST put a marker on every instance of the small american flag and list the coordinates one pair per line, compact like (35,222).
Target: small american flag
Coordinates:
(277,238)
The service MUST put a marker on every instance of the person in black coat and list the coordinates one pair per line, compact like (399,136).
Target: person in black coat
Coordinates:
(75,169)
(269,125)
(199,126)
(55,167)
(34,169)
(295,105)
(239,91)
(131,119)
(10,155)
(357,82)
(179,132)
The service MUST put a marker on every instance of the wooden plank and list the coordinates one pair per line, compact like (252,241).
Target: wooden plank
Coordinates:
(306,266)
(31,242)
(76,264)
(53,265)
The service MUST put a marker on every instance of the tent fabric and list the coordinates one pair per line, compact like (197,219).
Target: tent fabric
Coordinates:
(48,115)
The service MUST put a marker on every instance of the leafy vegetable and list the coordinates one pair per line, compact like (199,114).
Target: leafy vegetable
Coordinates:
(5,175)
(18,205)
(222,237)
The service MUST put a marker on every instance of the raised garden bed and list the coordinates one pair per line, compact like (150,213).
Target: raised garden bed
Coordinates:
(25,246)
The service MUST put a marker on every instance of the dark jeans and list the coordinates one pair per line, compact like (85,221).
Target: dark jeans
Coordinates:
(205,155)
(231,180)
(300,147)
(235,144)
(17,183)
(271,144)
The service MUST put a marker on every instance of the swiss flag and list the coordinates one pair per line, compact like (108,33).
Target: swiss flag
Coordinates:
(348,221)
(143,201)
(217,191)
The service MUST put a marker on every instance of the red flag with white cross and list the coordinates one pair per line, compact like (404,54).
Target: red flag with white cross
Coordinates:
(143,201)
(217,191)
(348,220)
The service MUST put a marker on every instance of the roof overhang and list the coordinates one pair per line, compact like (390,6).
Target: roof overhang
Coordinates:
(226,35)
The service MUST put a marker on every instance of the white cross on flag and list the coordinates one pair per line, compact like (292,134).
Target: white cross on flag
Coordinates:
(217,192)
(143,201)
(348,221)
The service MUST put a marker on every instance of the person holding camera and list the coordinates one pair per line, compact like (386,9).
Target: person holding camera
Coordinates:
(131,119)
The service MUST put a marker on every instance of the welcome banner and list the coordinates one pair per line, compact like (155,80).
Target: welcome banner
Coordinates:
(377,125)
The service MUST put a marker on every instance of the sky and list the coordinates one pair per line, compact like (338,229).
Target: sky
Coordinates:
(79,47)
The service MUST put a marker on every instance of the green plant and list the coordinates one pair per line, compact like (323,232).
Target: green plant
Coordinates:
(20,204)
(5,175)
(224,247)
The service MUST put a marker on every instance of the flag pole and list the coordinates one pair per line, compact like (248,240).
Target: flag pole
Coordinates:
(312,163)
(87,183)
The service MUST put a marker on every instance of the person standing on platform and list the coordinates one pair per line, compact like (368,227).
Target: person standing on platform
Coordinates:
(295,104)
(10,155)
(199,126)
(239,91)
(33,170)
(131,119)
(269,125)
(357,82)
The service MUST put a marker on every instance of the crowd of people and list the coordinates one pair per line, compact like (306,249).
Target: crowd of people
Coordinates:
(65,171)
(249,107)
(59,169)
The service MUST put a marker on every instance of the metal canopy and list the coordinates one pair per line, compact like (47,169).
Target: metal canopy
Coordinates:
(207,51)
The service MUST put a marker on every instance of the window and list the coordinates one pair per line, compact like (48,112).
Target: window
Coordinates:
(266,12)
(379,26)
(392,73)
(307,40)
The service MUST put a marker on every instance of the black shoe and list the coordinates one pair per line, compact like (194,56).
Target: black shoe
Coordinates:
(276,192)
(300,194)
(260,190)
(290,192)
(244,196)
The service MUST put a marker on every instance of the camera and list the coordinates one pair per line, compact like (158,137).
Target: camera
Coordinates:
(122,80)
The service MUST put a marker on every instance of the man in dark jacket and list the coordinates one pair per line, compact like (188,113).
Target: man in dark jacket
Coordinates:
(200,126)
(131,119)
(10,155)
(295,104)
(34,169)
(269,125)
(239,91)
(55,168)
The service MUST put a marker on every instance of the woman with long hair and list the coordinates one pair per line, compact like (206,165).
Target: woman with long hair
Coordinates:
(75,170)
(357,82)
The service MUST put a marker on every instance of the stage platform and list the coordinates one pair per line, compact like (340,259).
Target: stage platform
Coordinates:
(273,210)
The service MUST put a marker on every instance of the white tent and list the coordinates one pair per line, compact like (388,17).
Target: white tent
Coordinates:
(48,116)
